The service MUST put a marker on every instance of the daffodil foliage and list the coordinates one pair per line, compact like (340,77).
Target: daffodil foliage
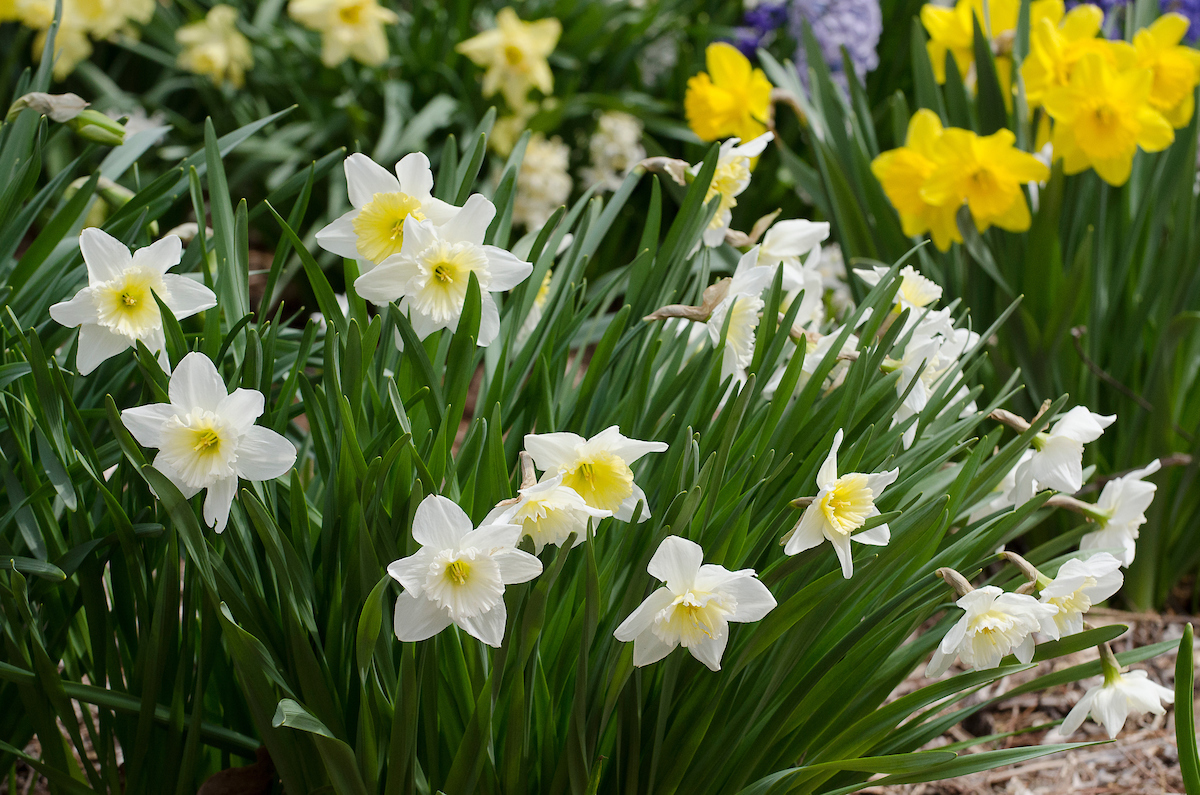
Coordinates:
(423,544)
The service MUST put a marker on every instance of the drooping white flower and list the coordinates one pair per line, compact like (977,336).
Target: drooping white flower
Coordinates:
(1003,495)
(117,309)
(741,304)
(842,505)
(206,437)
(543,183)
(1057,460)
(430,275)
(695,607)
(382,201)
(1078,585)
(459,574)
(915,291)
(995,624)
(1120,512)
(795,245)
(597,468)
(729,180)
(548,512)
(1111,703)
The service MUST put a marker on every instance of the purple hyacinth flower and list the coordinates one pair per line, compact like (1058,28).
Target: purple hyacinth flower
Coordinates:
(853,24)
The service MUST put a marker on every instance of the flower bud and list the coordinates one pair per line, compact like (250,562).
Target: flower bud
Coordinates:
(95,126)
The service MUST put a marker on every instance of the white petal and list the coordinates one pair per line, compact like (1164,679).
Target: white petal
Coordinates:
(876,536)
(940,662)
(754,600)
(505,269)
(1110,709)
(1024,649)
(841,545)
(469,224)
(339,237)
(648,648)
(185,297)
(388,281)
(487,627)
(828,472)
(264,454)
(1059,465)
(412,570)
(105,256)
(417,618)
(440,523)
(365,178)
(489,320)
(517,566)
(879,481)
(414,175)
(241,408)
(676,562)
(145,423)
(808,533)
(1078,714)
(96,344)
(75,312)
(161,255)
(217,501)
(196,384)
(170,474)
(710,650)
(552,451)
(642,617)
(491,536)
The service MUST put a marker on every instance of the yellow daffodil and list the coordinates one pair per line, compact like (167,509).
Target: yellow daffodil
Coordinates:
(514,54)
(730,100)
(952,30)
(215,47)
(987,172)
(348,28)
(1102,116)
(82,20)
(903,172)
(1176,68)
(1058,41)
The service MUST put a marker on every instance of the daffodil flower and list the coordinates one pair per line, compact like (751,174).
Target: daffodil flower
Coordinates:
(741,305)
(1057,460)
(916,291)
(117,309)
(729,180)
(732,99)
(206,437)
(695,608)
(429,277)
(1078,585)
(348,28)
(459,574)
(1120,695)
(214,47)
(794,245)
(548,512)
(1058,40)
(1176,67)
(903,172)
(952,30)
(1003,495)
(514,56)
(1120,512)
(597,468)
(382,201)
(996,623)
(842,506)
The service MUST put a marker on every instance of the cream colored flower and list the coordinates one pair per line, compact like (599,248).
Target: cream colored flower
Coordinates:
(514,55)
(614,149)
(1111,703)
(543,183)
(214,47)
(1078,585)
(995,624)
(548,512)
(729,180)
(348,28)
(1120,512)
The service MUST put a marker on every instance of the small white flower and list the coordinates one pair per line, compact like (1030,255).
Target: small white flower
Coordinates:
(1122,510)
(382,201)
(615,148)
(787,244)
(1078,585)
(543,183)
(597,468)
(459,574)
(117,309)
(206,437)
(729,180)
(742,304)
(430,275)
(813,356)
(996,624)
(915,291)
(932,353)
(842,505)
(1112,702)
(548,512)
(1057,460)
(695,608)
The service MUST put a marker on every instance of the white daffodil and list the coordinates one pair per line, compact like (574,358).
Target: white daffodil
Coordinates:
(915,290)
(996,624)
(1112,702)
(459,574)
(430,275)
(1120,512)
(1003,495)
(117,309)
(742,304)
(729,180)
(795,245)
(597,468)
(206,437)
(1057,460)
(842,505)
(932,353)
(814,354)
(382,201)
(548,512)
(1078,585)
(695,608)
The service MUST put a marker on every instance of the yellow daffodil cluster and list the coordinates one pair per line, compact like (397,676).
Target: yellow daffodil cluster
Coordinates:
(1107,98)
(731,100)
(215,48)
(83,21)
(940,169)
(348,28)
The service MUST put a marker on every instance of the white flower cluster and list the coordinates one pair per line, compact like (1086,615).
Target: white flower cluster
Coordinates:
(543,183)
(615,148)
